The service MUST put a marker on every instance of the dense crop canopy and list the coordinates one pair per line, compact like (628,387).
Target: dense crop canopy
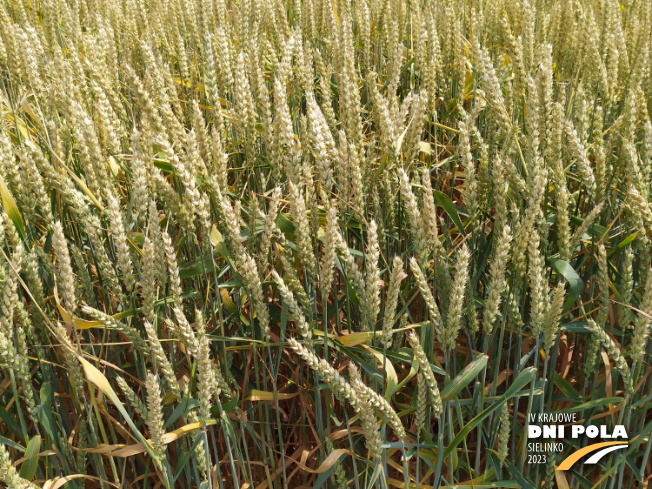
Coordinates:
(322,243)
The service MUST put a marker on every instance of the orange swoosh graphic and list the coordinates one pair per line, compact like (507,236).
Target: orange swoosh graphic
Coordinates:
(574,457)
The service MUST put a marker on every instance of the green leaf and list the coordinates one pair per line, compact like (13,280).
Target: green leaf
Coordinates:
(595,230)
(185,455)
(11,423)
(487,485)
(381,167)
(378,469)
(11,208)
(462,379)
(102,383)
(566,388)
(576,327)
(230,406)
(622,244)
(12,444)
(164,165)
(285,225)
(592,404)
(196,267)
(450,209)
(584,482)
(44,412)
(575,283)
(29,466)
(524,378)
(517,476)
(182,409)
(354,339)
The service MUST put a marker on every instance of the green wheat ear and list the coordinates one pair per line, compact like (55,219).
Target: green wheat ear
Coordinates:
(425,370)
(504,434)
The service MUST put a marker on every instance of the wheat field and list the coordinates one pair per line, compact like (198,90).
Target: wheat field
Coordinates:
(323,243)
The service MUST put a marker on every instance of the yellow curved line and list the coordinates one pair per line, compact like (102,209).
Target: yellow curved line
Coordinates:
(574,457)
